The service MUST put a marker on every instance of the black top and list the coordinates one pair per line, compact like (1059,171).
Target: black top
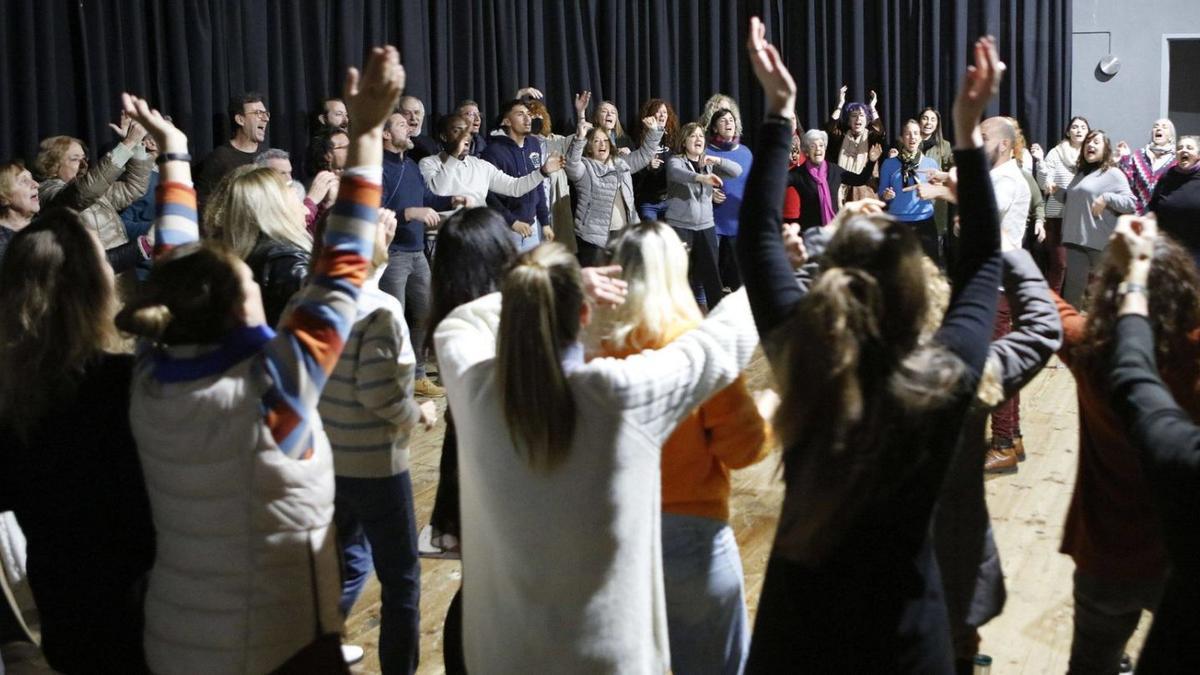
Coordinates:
(424,146)
(1169,442)
(806,186)
(874,603)
(280,269)
(223,159)
(79,497)
(1176,203)
(650,185)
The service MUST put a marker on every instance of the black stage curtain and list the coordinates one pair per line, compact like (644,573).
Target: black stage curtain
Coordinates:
(66,61)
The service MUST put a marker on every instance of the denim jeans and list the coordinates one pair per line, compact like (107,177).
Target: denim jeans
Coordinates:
(706,609)
(376,524)
(653,210)
(407,278)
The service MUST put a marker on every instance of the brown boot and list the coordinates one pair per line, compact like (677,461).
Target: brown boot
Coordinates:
(1000,460)
(1019,448)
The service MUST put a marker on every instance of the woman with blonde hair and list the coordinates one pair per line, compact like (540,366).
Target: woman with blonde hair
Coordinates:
(262,222)
(702,568)
(68,463)
(608,118)
(559,467)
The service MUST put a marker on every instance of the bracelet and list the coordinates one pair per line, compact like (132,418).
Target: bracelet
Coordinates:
(1127,287)
(173,157)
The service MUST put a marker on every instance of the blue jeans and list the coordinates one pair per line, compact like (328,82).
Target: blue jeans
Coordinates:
(653,210)
(376,524)
(407,278)
(706,607)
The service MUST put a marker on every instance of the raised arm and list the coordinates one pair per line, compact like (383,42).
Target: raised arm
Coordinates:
(967,327)
(86,189)
(640,158)
(132,184)
(574,163)
(766,271)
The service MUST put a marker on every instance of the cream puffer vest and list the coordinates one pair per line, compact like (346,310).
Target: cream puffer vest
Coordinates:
(241,527)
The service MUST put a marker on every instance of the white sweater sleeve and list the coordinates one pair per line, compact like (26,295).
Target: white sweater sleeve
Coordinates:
(659,388)
(467,336)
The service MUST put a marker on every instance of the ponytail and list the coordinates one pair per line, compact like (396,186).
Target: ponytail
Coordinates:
(542,299)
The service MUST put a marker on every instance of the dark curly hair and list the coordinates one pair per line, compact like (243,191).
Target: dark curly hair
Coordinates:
(1174,296)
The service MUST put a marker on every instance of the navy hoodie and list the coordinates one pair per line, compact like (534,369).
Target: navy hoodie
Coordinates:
(504,153)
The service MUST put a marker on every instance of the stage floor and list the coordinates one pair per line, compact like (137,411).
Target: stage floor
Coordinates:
(1033,635)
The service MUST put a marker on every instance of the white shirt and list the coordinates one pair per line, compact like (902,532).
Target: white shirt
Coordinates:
(473,177)
(1012,201)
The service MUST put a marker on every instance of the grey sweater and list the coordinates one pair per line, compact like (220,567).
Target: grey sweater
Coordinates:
(689,204)
(1079,226)
(597,186)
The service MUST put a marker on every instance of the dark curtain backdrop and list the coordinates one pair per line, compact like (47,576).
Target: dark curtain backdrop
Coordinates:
(66,61)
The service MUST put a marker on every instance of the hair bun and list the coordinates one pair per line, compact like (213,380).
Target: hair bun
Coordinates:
(148,321)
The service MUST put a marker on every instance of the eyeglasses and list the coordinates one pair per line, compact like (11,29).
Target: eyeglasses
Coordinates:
(264,114)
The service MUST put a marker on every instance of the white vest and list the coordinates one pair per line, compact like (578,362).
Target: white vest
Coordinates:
(239,527)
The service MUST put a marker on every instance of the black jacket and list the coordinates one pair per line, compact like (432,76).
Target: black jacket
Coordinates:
(280,269)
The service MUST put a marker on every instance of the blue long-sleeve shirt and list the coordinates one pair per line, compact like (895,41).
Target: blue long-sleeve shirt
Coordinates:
(906,207)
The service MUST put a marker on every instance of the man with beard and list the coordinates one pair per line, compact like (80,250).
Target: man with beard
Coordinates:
(249,117)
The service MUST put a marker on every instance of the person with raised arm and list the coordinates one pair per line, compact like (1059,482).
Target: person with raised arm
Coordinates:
(224,411)
(1169,440)
(872,405)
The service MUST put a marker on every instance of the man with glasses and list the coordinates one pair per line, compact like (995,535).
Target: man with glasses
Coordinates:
(249,117)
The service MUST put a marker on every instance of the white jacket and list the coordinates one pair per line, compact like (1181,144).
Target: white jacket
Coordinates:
(562,570)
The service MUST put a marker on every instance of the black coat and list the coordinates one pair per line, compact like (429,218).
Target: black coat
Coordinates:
(806,186)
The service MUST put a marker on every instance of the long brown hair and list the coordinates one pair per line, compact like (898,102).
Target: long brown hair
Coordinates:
(649,109)
(855,371)
(1174,297)
(540,316)
(190,298)
(56,309)
(1083,167)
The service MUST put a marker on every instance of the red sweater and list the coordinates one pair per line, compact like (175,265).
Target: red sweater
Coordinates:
(1113,530)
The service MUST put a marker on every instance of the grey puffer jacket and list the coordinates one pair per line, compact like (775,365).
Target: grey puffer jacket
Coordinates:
(689,204)
(597,186)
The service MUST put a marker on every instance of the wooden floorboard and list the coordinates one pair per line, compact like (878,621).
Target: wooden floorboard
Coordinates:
(1033,635)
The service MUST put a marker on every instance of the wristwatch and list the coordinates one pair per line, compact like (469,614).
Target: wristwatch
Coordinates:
(1127,287)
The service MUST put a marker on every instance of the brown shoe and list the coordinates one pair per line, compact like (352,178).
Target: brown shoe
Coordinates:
(1000,460)
(1019,448)
(425,387)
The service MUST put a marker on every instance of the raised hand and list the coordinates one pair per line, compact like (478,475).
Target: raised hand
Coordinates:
(602,286)
(531,92)
(585,127)
(387,228)
(1037,152)
(1132,241)
(651,123)
(872,99)
(842,95)
(320,186)
(1123,149)
(582,99)
(979,85)
(553,163)
(875,152)
(371,98)
(777,82)
(168,137)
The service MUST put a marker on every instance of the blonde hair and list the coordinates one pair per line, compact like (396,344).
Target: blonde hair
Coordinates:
(539,317)
(718,102)
(8,182)
(659,303)
(51,152)
(618,130)
(250,202)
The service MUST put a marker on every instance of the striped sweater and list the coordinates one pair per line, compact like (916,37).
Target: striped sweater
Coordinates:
(367,407)
(312,332)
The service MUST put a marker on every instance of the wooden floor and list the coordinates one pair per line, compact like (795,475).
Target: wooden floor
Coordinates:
(1033,635)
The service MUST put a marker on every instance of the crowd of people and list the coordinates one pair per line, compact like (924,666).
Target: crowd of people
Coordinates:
(215,368)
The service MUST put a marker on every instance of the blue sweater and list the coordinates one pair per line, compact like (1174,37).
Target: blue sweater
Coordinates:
(906,206)
(404,188)
(517,161)
(725,214)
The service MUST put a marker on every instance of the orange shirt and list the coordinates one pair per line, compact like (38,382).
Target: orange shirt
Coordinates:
(726,432)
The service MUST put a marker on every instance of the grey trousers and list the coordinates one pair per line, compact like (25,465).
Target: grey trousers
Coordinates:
(1106,614)
(1081,261)
(407,279)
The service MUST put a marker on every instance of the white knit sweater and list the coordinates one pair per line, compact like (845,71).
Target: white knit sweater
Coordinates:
(562,570)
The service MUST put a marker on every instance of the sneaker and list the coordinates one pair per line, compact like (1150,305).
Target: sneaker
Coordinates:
(352,654)
(442,547)
(425,387)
